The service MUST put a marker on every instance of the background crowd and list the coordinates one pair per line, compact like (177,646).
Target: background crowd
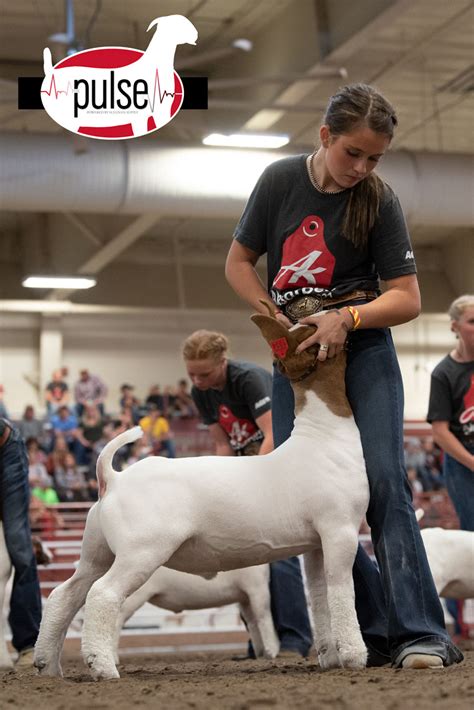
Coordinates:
(63,447)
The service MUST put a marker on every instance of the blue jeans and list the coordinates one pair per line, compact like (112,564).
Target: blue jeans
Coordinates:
(398,609)
(460,485)
(25,602)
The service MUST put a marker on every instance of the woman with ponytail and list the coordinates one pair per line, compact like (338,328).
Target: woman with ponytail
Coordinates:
(332,230)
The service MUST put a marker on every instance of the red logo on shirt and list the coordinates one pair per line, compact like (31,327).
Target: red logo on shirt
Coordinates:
(239,431)
(306,260)
(468,414)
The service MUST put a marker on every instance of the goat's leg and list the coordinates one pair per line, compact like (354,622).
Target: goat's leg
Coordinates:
(316,578)
(128,608)
(339,548)
(258,617)
(5,571)
(105,599)
(65,601)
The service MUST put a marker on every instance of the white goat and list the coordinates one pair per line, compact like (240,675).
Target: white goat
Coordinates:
(155,66)
(203,515)
(451,558)
(176,591)
(5,571)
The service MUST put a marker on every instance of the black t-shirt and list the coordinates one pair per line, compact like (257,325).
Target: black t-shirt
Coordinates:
(57,389)
(452,398)
(245,397)
(300,230)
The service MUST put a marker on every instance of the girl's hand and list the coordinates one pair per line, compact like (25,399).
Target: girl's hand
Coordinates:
(281,318)
(332,329)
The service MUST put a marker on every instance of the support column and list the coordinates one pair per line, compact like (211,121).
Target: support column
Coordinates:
(50,349)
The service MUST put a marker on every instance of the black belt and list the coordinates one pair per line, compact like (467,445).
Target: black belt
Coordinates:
(304,306)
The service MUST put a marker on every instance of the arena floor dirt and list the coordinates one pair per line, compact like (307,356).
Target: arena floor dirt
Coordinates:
(215,682)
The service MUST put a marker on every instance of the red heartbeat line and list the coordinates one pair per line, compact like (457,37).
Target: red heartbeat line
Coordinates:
(161,96)
(56,91)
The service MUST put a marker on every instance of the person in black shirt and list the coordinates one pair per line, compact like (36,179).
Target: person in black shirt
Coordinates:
(331,230)
(451,411)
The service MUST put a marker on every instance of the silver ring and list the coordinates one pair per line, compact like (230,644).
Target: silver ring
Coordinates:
(324,348)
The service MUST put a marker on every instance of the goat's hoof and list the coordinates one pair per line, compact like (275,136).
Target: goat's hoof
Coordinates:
(6,664)
(101,669)
(328,658)
(355,659)
(47,668)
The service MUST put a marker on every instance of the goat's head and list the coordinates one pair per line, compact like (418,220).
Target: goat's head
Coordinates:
(179,27)
(284,342)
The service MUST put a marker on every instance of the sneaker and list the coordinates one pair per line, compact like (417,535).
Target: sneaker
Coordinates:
(422,661)
(25,658)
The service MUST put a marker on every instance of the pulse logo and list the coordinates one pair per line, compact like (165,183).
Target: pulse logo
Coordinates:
(115,93)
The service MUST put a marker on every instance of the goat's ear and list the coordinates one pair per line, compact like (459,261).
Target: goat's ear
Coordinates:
(275,333)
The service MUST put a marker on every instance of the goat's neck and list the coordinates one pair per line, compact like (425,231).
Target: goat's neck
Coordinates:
(321,397)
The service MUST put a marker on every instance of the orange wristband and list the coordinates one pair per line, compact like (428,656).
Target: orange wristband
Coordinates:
(355,316)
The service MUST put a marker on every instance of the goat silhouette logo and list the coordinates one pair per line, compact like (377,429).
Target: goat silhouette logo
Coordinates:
(115,93)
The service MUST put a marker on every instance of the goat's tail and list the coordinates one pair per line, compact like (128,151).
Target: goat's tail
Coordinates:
(419,512)
(104,462)
(47,61)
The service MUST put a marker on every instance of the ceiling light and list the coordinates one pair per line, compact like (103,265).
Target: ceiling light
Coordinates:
(246,140)
(69,282)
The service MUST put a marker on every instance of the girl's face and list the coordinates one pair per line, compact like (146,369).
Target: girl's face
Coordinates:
(464,327)
(350,157)
(207,373)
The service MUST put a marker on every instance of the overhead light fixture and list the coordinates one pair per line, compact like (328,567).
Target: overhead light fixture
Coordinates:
(246,140)
(68,282)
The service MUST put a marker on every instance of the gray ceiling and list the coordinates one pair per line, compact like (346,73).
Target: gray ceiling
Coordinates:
(418,52)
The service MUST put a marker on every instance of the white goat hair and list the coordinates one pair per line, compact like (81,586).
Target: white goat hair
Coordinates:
(451,558)
(177,591)
(5,571)
(209,514)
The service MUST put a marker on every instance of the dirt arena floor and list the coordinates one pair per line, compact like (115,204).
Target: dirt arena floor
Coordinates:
(215,682)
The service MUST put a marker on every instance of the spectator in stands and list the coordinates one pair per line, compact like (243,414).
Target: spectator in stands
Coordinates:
(29,426)
(65,423)
(70,481)
(430,471)
(3,409)
(169,398)
(155,397)
(90,431)
(451,411)
(57,455)
(234,399)
(56,393)
(157,432)
(184,404)
(89,389)
(415,483)
(129,401)
(43,521)
(25,602)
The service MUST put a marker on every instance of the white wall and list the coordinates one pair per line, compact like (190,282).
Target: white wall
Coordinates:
(145,350)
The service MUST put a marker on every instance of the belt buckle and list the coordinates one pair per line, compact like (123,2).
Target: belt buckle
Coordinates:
(303,307)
